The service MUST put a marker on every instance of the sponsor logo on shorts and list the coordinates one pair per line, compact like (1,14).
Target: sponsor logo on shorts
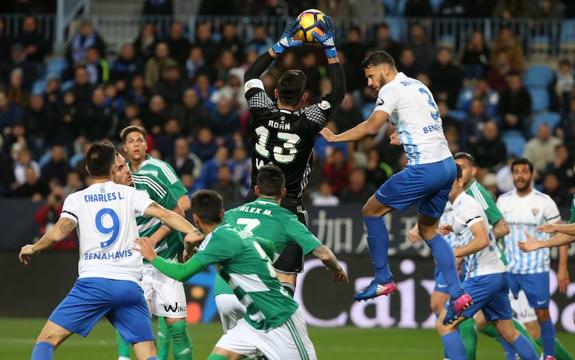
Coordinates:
(541,302)
(175,308)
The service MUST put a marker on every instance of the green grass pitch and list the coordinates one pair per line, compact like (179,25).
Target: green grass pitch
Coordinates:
(17,338)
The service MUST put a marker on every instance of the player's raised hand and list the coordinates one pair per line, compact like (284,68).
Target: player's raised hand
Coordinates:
(25,253)
(547,228)
(145,248)
(531,244)
(327,134)
(286,40)
(327,40)
(339,275)
(563,280)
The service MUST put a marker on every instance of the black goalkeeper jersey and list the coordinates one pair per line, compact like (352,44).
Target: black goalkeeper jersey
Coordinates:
(285,138)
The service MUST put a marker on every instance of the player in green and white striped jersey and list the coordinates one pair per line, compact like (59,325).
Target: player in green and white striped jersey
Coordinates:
(165,296)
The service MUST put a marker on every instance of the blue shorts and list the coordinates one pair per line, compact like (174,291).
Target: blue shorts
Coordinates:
(490,294)
(427,185)
(440,282)
(120,301)
(535,286)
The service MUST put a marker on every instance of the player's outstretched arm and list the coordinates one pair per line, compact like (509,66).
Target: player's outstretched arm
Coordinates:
(165,230)
(568,229)
(369,127)
(175,221)
(334,68)
(58,232)
(328,258)
(480,241)
(177,271)
(532,244)
(562,272)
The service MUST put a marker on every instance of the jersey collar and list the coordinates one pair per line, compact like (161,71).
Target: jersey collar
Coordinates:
(267,201)
(458,199)
(473,181)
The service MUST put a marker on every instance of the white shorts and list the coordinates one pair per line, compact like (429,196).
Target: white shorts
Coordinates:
(165,295)
(230,309)
(522,312)
(287,342)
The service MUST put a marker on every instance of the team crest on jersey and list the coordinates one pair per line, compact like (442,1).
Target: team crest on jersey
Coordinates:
(535,211)
(379,102)
(324,105)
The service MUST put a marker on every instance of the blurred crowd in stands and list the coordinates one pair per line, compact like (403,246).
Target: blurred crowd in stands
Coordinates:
(188,93)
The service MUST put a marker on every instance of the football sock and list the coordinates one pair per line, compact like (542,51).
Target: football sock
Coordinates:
(43,351)
(547,337)
(217,357)
(469,337)
(443,255)
(182,343)
(378,243)
(524,348)
(453,346)
(507,348)
(123,347)
(163,339)
(560,352)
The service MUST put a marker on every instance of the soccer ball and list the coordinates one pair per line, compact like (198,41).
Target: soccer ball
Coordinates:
(308,23)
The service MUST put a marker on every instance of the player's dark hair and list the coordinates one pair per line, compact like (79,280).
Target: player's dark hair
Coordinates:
(466,156)
(208,205)
(522,161)
(459,171)
(130,129)
(291,86)
(378,57)
(271,180)
(100,157)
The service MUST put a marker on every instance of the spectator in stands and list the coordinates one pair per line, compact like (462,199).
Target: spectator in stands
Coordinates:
(205,145)
(489,181)
(475,58)
(224,64)
(23,161)
(490,151)
(506,42)
(57,167)
(224,121)
(418,8)
(131,112)
(97,67)
(509,9)
(233,90)
(210,49)
(472,126)
(551,9)
(481,91)
(452,137)
(16,91)
(337,170)
(73,183)
(514,104)
(347,115)
(354,48)
(35,47)
(145,43)
(114,99)
(184,161)
(156,65)
(191,114)
(158,8)
(541,149)
(420,45)
(139,93)
(84,39)
(324,195)
(240,165)
(52,93)
(100,121)
(446,77)
(172,85)
(311,69)
(67,120)
(17,60)
(358,190)
(565,84)
(178,44)
(39,122)
(407,63)
(204,89)
(384,42)
(196,64)
(275,8)
(562,167)
(127,64)
(335,8)
(82,88)
(5,41)
(166,140)
(557,191)
(10,113)
(32,188)
(232,42)
(156,116)
(209,175)
(225,186)
(260,41)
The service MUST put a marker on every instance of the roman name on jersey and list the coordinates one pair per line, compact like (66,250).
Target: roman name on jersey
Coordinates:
(279,125)
(107,256)
(254,210)
(105,197)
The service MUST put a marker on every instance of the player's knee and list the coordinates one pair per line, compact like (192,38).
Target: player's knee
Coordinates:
(50,338)
(507,331)
(533,329)
(374,208)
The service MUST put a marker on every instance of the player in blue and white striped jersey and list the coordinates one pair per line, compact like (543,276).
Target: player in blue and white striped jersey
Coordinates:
(524,210)
(485,278)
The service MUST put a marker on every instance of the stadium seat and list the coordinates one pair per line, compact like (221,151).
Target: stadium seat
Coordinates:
(539,99)
(538,76)
(549,118)
(514,143)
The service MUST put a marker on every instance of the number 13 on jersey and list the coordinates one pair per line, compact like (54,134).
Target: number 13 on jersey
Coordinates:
(289,142)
